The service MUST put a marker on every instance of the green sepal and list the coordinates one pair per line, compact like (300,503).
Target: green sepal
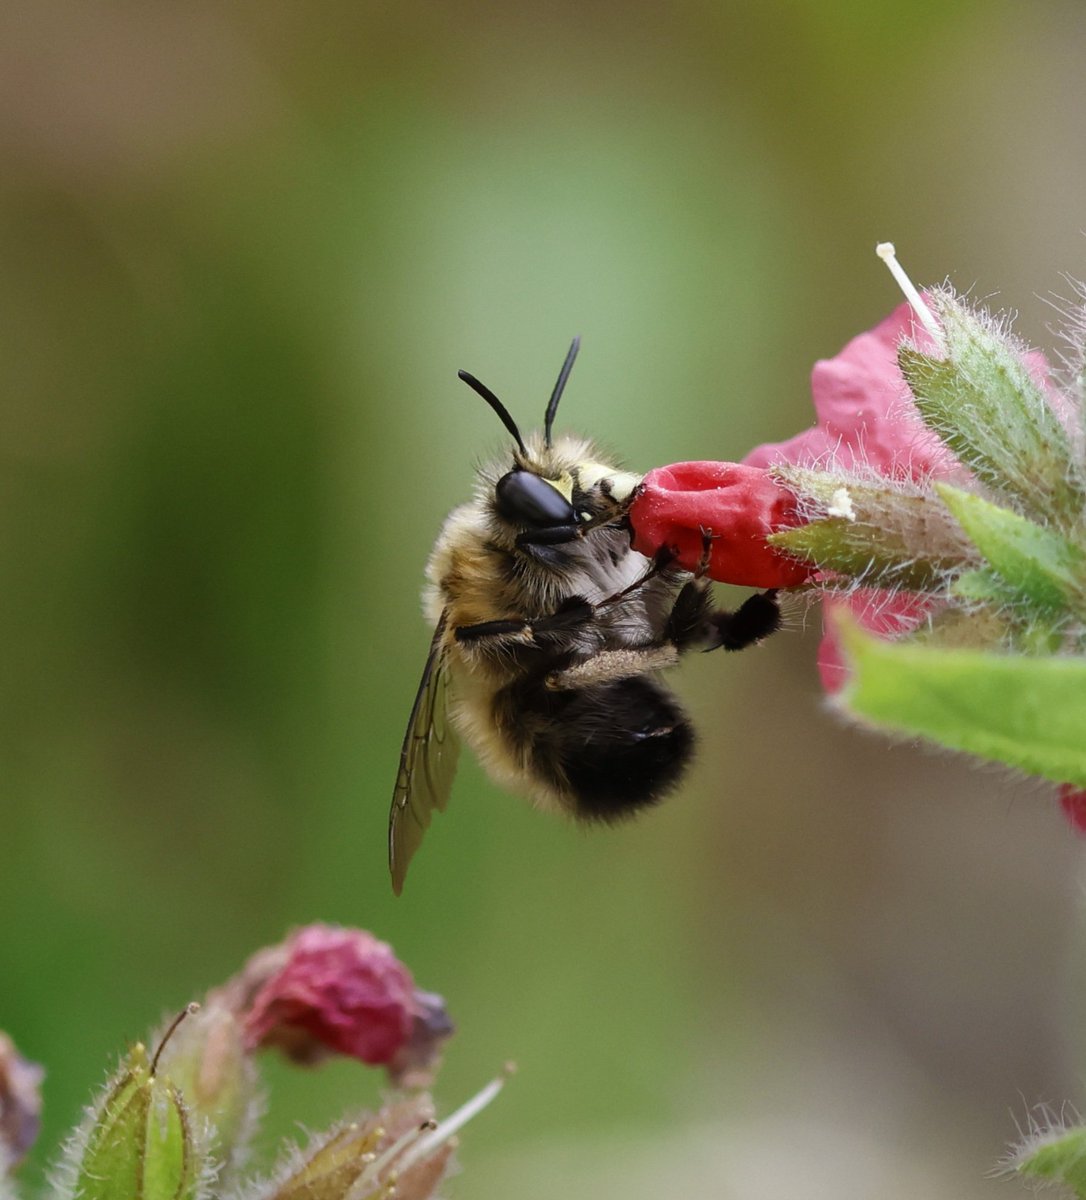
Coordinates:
(1026,712)
(141,1145)
(984,404)
(984,586)
(837,544)
(1059,1156)
(893,536)
(1038,564)
(332,1170)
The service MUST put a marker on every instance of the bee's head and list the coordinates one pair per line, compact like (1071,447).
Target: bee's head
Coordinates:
(527,496)
(553,493)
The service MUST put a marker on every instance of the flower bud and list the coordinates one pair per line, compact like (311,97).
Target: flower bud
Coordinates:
(140,1143)
(740,506)
(205,1059)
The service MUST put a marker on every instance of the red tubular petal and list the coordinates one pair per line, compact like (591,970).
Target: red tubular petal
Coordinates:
(739,505)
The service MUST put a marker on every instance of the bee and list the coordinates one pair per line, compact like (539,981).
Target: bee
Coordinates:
(549,632)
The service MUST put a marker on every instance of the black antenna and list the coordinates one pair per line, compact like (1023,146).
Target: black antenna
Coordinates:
(559,388)
(497,406)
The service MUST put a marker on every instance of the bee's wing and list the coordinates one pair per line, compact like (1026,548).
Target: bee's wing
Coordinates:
(427,762)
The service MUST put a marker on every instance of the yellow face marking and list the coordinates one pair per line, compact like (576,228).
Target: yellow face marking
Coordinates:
(564,485)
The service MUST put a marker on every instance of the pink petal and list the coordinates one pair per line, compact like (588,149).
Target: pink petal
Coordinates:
(886,614)
(866,416)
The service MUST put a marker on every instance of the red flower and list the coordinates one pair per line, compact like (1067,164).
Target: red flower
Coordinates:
(739,505)
(342,991)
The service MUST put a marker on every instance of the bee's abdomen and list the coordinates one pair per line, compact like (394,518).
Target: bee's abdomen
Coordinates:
(606,750)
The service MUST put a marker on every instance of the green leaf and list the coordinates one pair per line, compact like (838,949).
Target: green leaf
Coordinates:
(985,405)
(1038,563)
(1029,713)
(140,1145)
(1059,1156)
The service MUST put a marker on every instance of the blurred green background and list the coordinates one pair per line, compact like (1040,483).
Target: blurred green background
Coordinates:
(243,250)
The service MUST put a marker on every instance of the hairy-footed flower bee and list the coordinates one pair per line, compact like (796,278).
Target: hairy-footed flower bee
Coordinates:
(549,632)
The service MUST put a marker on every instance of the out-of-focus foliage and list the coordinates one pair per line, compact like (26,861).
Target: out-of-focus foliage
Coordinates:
(243,250)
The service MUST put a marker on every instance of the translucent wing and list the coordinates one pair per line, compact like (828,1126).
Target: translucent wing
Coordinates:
(427,763)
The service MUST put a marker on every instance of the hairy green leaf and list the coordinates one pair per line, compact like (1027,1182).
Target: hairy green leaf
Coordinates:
(1026,712)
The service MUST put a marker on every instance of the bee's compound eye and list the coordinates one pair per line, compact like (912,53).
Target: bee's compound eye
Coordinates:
(530,500)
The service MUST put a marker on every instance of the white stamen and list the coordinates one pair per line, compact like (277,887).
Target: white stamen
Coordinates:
(885,251)
(427,1144)
(841,505)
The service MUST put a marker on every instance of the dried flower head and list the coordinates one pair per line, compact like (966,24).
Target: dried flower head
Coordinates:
(328,990)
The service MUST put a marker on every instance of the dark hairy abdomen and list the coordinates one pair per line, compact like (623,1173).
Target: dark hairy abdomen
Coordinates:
(609,749)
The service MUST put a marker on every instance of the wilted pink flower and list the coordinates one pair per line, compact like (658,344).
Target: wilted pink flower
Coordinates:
(332,990)
(431,1027)
(20,1102)
(738,505)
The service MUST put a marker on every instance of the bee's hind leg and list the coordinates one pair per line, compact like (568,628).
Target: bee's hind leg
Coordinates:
(610,665)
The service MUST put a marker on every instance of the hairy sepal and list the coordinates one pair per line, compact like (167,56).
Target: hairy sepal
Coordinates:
(1056,1155)
(1038,565)
(984,404)
(887,535)
(328,1169)
(1026,712)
